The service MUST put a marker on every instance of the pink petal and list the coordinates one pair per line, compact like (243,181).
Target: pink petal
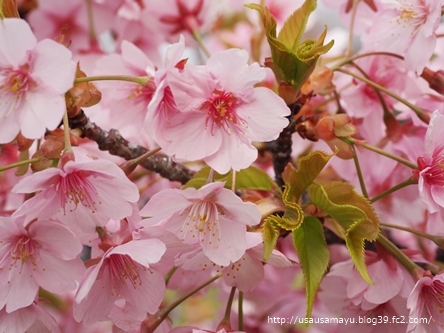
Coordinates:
(232,244)
(144,251)
(223,64)
(17,321)
(55,238)
(147,295)
(266,112)
(23,288)
(244,274)
(158,207)
(12,53)
(415,60)
(53,66)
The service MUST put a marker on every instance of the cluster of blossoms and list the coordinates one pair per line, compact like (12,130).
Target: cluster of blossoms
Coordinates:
(111,236)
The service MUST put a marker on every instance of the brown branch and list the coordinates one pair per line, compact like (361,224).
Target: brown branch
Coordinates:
(281,147)
(115,144)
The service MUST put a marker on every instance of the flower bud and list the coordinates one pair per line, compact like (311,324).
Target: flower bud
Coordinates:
(434,79)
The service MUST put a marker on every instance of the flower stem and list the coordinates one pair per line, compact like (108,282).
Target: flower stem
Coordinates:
(352,24)
(198,38)
(163,313)
(240,310)
(225,322)
(169,275)
(414,108)
(395,188)
(359,173)
(17,164)
(381,152)
(399,255)
(233,181)
(363,55)
(66,133)
(436,239)
(136,79)
(91,28)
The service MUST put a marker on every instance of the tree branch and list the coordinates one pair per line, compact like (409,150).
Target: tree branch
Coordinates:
(115,144)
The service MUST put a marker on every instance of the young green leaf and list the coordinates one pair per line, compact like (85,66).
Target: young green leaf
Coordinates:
(313,254)
(270,233)
(355,215)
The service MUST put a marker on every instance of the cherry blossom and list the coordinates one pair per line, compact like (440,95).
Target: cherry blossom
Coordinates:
(212,216)
(123,272)
(162,106)
(44,254)
(81,194)
(408,27)
(33,318)
(32,76)
(427,301)
(221,107)
(431,172)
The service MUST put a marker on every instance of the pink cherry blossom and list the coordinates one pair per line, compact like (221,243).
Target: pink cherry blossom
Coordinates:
(33,76)
(211,216)
(55,18)
(162,106)
(172,17)
(222,112)
(32,319)
(44,254)
(82,194)
(427,301)
(123,272)
(127,101)
(408,27)
(431,171)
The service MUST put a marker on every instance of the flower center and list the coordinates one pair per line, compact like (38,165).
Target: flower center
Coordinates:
(143,94)
(435,173)
(17,81)
(202,221)
(221,112)
(76,189)
(23,251)
(123,269)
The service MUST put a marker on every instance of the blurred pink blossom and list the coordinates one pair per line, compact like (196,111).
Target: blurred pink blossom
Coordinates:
(408,27)
(33,78)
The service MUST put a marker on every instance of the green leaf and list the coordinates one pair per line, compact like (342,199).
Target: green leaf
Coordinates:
(295,25)
(293,61)
(251,178)
(297,180)
(313,254)
(270,234)
(355,215)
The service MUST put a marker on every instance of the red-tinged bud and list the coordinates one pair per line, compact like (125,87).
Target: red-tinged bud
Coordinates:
(22,169)
(43,164)
(82,94)
(288,93)
(23,143)
(319,82)
(224,325)
(8,8)
(434,79)
(67,156)
(53,147)
(425,116)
